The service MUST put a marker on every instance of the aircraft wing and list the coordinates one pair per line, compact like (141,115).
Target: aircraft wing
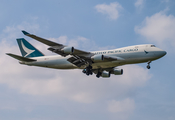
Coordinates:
(56,47)
(47,42)
(78,57)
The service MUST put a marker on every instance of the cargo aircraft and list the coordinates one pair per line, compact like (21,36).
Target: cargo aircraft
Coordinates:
(102,63)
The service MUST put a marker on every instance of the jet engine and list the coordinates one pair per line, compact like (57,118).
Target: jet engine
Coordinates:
(117,71)
(68,50)
(96,58)
(105,74)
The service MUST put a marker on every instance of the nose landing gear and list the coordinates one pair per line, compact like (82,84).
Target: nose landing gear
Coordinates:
(148,66)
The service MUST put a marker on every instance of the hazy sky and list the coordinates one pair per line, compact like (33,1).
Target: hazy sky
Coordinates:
(33,93)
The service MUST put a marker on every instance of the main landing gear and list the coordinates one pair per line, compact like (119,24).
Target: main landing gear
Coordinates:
(98,74)
(148,66)
(88,70)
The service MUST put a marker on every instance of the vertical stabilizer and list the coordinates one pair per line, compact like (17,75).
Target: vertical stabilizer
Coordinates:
(27,50)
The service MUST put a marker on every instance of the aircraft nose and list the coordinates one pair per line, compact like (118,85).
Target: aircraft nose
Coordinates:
(160,53)
(163,53)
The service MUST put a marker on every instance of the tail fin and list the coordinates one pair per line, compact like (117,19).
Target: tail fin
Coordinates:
(27,50)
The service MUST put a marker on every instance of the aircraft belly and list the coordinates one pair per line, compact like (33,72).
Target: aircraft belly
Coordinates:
(54,63)
(141,59)
(61,64)
(107,64)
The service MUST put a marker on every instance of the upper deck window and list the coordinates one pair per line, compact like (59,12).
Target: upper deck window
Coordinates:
(153,46)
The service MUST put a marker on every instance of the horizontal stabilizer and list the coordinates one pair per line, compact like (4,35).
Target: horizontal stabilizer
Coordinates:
(20,58)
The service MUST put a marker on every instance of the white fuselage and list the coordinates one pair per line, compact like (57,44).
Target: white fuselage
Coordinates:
(131,55)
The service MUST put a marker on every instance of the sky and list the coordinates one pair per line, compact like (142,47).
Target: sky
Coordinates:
(34,93)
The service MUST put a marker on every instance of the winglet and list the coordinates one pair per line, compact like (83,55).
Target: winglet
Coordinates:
(25,33)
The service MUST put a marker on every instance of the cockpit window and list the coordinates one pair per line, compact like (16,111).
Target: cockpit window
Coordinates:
(153,46)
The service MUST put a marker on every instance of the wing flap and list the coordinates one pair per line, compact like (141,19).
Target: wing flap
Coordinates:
(78,61)
(20,58)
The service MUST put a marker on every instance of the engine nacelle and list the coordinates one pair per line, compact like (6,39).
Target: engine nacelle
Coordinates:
(68,50)
(105,74)
(96,58)
(118,71)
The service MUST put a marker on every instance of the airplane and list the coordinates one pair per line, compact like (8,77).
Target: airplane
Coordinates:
(102,63)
